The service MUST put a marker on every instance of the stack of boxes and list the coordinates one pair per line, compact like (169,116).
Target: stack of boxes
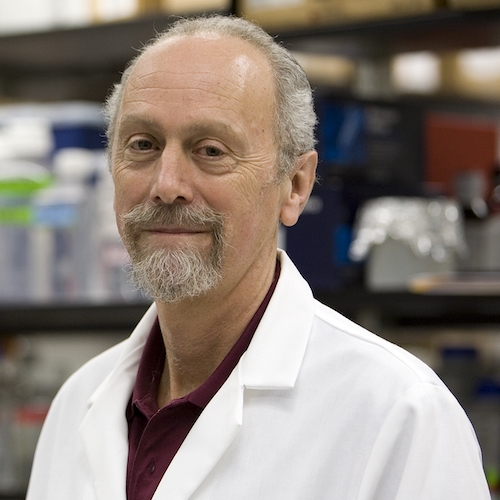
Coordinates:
(272,14)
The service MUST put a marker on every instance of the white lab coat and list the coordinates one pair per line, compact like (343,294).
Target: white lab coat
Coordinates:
(317,408)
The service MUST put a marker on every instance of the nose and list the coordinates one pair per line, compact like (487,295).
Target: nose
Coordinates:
(172,182)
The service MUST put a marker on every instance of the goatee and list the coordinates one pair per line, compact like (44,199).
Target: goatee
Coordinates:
(171,275)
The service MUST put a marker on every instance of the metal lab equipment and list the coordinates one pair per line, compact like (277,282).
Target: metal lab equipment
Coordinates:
(403,237)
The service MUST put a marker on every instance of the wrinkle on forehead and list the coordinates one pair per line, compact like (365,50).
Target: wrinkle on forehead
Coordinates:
(205,80)
(242,79)
(242,67)
(235,52)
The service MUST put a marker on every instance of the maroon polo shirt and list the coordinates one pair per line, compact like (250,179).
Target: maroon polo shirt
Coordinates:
(156,434)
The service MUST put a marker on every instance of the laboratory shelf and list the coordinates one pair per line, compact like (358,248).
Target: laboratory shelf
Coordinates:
(83,62)
(392,308)
(69,317)
(108,46)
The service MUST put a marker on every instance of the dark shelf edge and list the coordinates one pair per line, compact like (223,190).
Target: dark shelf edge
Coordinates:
(70,317)
(408,309)
(392,308)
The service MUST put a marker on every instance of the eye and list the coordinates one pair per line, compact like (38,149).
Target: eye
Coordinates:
(212,151)
(141,148)
(213,156)
(142,145)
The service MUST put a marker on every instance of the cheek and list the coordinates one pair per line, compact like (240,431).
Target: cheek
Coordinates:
(254,223)
(129,191)
(120,209)
(124,200)
(122,203)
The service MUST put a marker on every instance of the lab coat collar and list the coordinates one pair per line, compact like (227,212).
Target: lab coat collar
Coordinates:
(272,361)
(275,354)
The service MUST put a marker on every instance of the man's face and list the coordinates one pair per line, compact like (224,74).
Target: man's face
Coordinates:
(195,134)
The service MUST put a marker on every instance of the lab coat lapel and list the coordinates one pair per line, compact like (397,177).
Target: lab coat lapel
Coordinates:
(104,430)
(206,443)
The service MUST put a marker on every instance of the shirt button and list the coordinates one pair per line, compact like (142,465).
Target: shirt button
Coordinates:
(152,466)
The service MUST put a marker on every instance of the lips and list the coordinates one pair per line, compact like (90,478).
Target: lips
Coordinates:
(177,230)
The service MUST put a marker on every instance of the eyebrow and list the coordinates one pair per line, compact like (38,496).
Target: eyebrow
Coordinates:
(205,127)
(134,120)
(210,127)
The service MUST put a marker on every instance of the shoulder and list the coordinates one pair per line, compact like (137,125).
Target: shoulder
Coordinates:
(376,367)
(380,384)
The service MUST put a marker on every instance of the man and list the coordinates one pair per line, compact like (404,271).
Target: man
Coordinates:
(237,384)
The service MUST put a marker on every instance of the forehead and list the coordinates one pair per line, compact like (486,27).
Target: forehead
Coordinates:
(227,66)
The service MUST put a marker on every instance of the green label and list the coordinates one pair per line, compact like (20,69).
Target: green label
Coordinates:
(21,215)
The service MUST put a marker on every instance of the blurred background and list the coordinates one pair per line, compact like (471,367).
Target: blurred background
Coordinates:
(401,234)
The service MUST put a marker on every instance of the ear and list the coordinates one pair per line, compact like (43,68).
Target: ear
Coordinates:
(300,186)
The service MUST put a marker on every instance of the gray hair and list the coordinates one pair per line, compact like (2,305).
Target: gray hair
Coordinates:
(295,119)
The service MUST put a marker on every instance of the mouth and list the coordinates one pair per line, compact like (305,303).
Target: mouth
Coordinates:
(176,230)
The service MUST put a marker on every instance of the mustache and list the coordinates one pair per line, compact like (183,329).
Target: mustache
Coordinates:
(147,215)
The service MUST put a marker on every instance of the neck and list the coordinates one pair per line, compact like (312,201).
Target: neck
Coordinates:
(199,333)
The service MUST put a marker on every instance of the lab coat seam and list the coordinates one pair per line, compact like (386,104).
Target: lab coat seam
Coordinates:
(376,341)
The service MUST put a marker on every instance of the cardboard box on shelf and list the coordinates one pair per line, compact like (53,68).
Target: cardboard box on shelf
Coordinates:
(483,242)
(474,74)
(272,14)
(392,265)
(114,10)
(277,14)
(473,4)
(362,9)
(334,71)
(193,6)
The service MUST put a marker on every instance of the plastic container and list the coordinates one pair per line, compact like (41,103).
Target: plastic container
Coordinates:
(19,180)
(78,125)
(65,226)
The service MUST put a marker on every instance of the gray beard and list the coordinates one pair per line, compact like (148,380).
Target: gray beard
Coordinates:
(168,275)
